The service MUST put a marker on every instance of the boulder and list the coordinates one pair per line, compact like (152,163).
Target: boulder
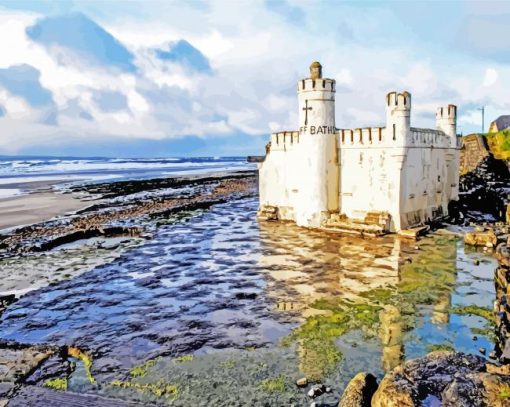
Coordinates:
(359,391)
(477,389)
(503,255)
(455,379)
(485,239)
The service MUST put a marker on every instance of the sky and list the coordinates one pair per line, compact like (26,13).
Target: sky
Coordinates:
(201,78)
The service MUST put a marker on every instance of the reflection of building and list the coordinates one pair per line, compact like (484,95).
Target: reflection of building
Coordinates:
(305,266)
(440,313)
(390,332)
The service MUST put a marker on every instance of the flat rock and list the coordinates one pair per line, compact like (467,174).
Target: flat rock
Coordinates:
(33,396)
(17,361)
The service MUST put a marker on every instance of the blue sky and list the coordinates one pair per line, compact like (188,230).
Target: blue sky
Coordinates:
(216,77)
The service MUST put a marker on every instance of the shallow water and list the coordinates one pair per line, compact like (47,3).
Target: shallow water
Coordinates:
(253,307)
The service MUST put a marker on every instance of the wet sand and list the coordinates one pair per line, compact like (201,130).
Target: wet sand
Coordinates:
(36,207)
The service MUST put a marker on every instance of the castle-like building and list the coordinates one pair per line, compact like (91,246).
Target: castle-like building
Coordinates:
(370,180)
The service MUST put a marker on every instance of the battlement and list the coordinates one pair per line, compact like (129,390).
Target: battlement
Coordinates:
(429,138)
(398,100)
(449,112)
(305,85)
(361,136)
(284,140)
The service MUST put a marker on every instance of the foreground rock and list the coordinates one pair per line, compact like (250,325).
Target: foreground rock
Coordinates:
(359,391)
(17,362)
(501,305)
(451,379)
(481,238)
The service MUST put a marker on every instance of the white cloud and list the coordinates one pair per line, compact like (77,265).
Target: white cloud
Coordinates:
(256,57)
(490,78)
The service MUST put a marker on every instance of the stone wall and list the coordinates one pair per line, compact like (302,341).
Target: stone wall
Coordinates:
(502,305)
(473,151)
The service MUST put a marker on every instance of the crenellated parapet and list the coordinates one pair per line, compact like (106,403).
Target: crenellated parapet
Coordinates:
(365,137)
(428,138)
(284,140)
(446,120)
(398,101)
(321,84)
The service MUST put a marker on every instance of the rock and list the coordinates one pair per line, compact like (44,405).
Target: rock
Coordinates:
(482,351)
(503,255)
(501,370)
(17,361)
(475,338)
(246,296)
(409,384)
(302,382)
(393,391)
(487,239)
(476,389)
(316,390)
(359,391)
(476,262)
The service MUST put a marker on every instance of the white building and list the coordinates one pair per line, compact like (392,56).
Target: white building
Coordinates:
(370,180)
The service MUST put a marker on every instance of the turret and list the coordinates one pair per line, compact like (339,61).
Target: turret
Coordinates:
(316,98)
(317,138)
(398,116)
(446,120)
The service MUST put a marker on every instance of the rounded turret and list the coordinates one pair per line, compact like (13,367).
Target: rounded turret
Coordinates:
(316,99)
(317,138)
(398,115)
(446,120)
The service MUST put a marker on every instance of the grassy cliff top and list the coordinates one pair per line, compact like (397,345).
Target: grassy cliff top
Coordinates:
(499,144)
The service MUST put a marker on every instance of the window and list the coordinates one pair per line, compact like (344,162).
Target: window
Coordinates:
(394,131)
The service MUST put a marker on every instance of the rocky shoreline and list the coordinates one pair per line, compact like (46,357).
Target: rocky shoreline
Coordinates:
(118,208)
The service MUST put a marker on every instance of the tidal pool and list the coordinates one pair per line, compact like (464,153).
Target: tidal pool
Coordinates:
(220,309)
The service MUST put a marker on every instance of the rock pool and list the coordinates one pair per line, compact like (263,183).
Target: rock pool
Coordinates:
(219,309)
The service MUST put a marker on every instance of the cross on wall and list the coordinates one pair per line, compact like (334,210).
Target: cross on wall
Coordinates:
(306,109)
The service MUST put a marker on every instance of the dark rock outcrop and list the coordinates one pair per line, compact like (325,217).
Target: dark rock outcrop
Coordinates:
(452,379)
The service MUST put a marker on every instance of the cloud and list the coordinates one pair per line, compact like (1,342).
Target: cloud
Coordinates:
(83,38)
(23,80)
(491,76)
(109,101)
(222,75)
(186,54)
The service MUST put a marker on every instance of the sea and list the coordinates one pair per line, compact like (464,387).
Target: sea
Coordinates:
(16,172)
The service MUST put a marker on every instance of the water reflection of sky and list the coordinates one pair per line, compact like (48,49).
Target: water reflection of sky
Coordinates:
(220,280)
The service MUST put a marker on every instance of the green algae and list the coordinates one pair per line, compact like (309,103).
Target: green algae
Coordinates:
(426,280)
(447,347)
(184,358)
(158,389)
(58,383)
(275,384)
(489,332)
(141,370)
(475,310)
(504,392)
(318,352)
(228,364)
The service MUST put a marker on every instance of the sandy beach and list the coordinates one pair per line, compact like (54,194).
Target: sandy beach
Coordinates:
(36,207)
